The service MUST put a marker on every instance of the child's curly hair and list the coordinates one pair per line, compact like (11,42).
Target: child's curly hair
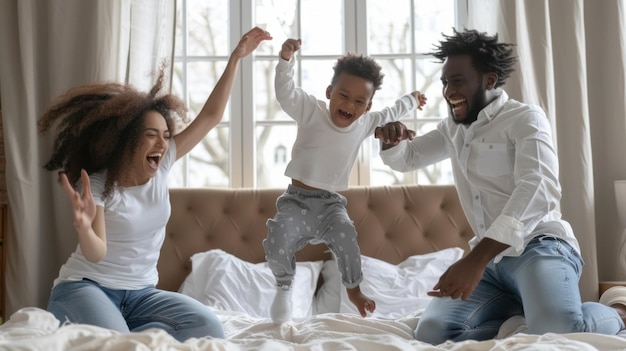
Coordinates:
(99,127)
(487,54)
(360,66)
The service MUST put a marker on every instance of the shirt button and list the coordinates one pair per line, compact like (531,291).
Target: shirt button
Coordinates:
(476,197)
(481,226)
(466,145)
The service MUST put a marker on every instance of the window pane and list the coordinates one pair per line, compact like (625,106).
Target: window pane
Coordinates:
(209,161)
(428,81)
(389,26)
(176,177)
(397,81)
(322,27)
(273,153)
(178,80)
(279,17)
(266,106)
(431,19)
(208,23)
(207,165)
(316,76)
(201,79)
(400,37)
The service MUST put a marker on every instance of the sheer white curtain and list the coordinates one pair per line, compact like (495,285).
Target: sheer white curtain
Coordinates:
(47,47)
(572,62)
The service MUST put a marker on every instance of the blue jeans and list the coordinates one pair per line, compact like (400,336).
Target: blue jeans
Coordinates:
(541,285)
(86,302)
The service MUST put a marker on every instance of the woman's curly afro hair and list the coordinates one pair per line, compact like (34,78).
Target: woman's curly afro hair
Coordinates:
(98,126)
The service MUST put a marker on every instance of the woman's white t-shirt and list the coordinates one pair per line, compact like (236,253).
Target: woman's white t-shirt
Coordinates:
(135,219)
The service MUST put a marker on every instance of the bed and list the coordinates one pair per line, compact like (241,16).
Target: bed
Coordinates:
(408,235)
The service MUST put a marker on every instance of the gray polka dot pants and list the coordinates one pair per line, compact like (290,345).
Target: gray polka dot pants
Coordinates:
(309,217)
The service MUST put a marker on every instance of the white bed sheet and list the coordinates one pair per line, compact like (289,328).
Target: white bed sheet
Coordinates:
(35,329)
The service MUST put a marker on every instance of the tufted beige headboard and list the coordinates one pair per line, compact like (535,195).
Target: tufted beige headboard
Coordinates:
(393,223)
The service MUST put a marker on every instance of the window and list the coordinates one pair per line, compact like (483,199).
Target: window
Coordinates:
(252,144)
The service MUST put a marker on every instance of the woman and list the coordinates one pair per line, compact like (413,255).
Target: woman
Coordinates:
(119,145)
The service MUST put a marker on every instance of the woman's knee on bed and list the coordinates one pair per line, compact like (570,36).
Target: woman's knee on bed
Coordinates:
(180,315)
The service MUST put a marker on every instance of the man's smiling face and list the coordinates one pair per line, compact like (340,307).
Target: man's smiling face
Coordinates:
(464,88)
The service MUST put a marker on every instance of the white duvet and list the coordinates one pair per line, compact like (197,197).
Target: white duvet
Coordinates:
(36,329)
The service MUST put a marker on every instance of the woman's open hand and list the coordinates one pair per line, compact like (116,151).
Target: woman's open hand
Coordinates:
(83,205)
(250,41)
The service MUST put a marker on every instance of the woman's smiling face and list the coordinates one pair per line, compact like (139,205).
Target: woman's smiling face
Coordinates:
(153,144)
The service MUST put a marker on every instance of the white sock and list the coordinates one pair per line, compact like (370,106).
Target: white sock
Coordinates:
(281,307)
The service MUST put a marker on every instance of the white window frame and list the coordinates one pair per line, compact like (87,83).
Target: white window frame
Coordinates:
(243,153)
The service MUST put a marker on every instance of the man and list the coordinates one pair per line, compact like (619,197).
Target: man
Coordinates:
(524,259)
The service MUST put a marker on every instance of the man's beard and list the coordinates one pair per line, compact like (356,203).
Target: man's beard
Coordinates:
(478,103)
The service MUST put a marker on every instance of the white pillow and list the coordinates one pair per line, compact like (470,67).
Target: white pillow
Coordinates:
(225,282)
(399,290)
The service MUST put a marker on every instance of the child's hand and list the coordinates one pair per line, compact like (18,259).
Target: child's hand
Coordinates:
(421,99)
(363,303)
(393,133)
(289,47)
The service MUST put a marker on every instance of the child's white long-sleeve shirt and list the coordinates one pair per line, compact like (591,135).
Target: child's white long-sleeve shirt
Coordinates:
(323,154)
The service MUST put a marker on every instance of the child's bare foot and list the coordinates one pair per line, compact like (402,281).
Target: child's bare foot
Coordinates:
(363,303)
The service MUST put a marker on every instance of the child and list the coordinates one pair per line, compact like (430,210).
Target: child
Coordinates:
(311,211)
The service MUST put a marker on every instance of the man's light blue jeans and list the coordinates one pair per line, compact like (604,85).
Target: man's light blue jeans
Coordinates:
(85,301)
(541,285)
